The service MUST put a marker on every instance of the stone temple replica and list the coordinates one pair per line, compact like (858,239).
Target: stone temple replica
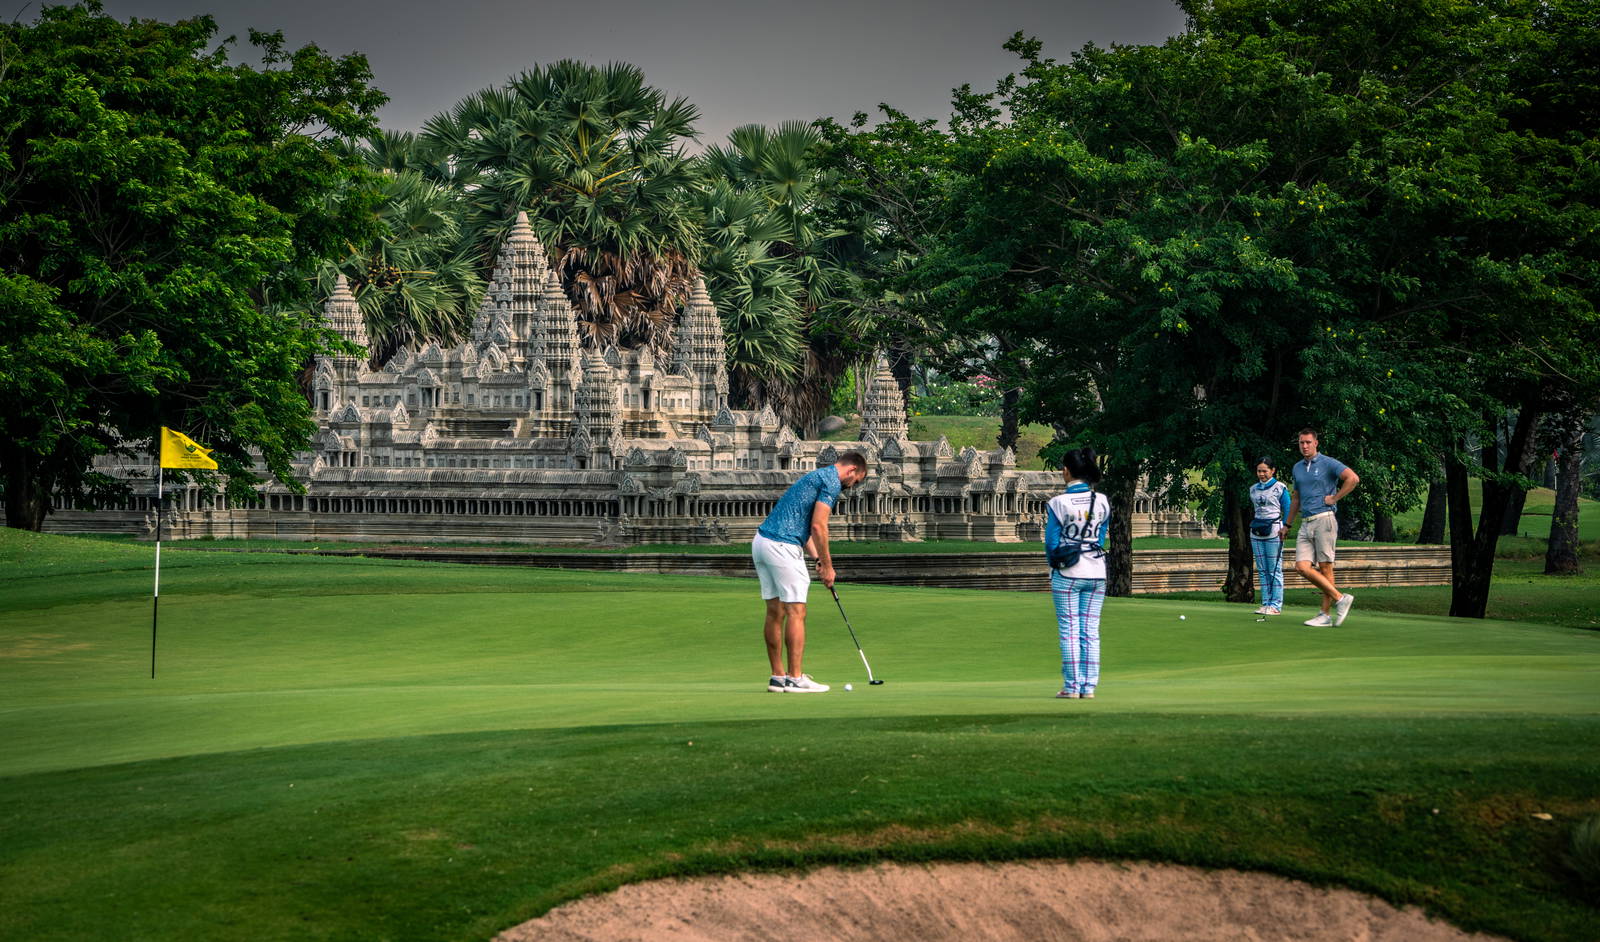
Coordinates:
(517,434)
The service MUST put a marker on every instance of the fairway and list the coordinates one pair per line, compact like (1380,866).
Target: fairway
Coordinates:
(350,748)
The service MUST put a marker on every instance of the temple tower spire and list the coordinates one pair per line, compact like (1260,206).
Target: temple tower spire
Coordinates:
(334,379)
(884,413)
(343,314)
(596,407)
(524,267)
(558,351)
(703,350)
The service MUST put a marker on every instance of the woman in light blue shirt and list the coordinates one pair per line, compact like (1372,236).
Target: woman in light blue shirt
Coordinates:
(1269,497)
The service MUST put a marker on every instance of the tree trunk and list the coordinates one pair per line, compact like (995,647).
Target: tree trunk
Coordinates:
(1351,525)
(28,489)
(1469,595)
(1561,555)
(1433,515)
(1119,536)
(1511,522)
(1382,527)
(1005,371)
(1008,417)
(1459,502)
(901,359)
(1240,584)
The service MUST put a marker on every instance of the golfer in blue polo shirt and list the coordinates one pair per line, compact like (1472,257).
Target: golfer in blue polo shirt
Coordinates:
(796,528)
(1320,482)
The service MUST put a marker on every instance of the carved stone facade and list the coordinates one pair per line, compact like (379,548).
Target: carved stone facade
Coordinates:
(518,434)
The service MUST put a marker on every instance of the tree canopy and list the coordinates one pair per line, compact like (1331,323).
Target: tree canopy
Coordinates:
(163,214)
(1297,213)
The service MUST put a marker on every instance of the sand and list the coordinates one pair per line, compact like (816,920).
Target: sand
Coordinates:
(1032,901)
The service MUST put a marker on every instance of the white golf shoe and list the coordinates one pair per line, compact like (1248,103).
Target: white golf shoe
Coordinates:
(1341,608)
(804,684)
(1321,621)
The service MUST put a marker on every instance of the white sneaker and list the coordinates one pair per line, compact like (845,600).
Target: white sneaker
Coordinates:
(1263,610)
(803,684)
(1271,611)
(1321,621)
(777,683)
(1341,608)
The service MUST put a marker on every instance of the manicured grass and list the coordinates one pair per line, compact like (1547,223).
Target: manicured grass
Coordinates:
(353,748)
(979,431)
(1521,592)
(1535,524)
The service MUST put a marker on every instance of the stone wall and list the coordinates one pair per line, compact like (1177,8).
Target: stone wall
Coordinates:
(571,508)
(1154,571)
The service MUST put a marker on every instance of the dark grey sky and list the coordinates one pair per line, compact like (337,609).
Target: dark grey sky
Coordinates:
(740,63)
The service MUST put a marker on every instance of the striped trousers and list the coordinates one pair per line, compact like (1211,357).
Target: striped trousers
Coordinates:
(1078,603)
(1269,570)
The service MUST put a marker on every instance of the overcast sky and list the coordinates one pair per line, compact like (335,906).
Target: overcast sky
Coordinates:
(756,61)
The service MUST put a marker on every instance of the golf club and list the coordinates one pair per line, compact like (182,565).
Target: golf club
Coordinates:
(870,678)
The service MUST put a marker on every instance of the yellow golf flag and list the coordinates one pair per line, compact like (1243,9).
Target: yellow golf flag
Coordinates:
(180,451)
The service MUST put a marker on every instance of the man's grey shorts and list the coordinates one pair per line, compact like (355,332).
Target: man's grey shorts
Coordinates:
(1317,535)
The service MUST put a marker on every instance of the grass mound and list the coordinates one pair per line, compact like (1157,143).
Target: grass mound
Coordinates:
(337,748)
(979,431)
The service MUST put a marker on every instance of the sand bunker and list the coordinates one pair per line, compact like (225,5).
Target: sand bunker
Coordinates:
(1022,901)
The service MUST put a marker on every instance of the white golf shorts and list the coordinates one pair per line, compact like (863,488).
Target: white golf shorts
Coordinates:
(1314,543)
(781,568)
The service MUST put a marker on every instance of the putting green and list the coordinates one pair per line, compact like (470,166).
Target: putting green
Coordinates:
(376,650)
(348,748)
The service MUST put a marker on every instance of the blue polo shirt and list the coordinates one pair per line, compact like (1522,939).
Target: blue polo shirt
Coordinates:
(790,520)
(1314,480)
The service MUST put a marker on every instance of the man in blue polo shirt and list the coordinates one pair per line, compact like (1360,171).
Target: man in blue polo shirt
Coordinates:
(798,525)
(1320,482)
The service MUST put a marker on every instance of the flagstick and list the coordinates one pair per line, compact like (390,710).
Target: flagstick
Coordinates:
(155,599)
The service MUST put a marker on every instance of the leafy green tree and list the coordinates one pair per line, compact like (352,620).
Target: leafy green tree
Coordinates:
(1275,221)
(596,157)
(1132,251)
(163,214)
(1483,221)
(892,194)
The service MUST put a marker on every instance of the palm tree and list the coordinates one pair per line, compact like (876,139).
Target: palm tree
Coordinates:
(419,280)
(770,266)
(757,292)
(596,158)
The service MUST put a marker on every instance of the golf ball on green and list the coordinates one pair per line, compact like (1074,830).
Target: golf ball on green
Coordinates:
(1183,617)
(848,687)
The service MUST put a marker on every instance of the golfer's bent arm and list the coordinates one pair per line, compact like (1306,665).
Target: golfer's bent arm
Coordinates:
(1348,480)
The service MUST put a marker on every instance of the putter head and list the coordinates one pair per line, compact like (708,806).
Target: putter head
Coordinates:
(874,682)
